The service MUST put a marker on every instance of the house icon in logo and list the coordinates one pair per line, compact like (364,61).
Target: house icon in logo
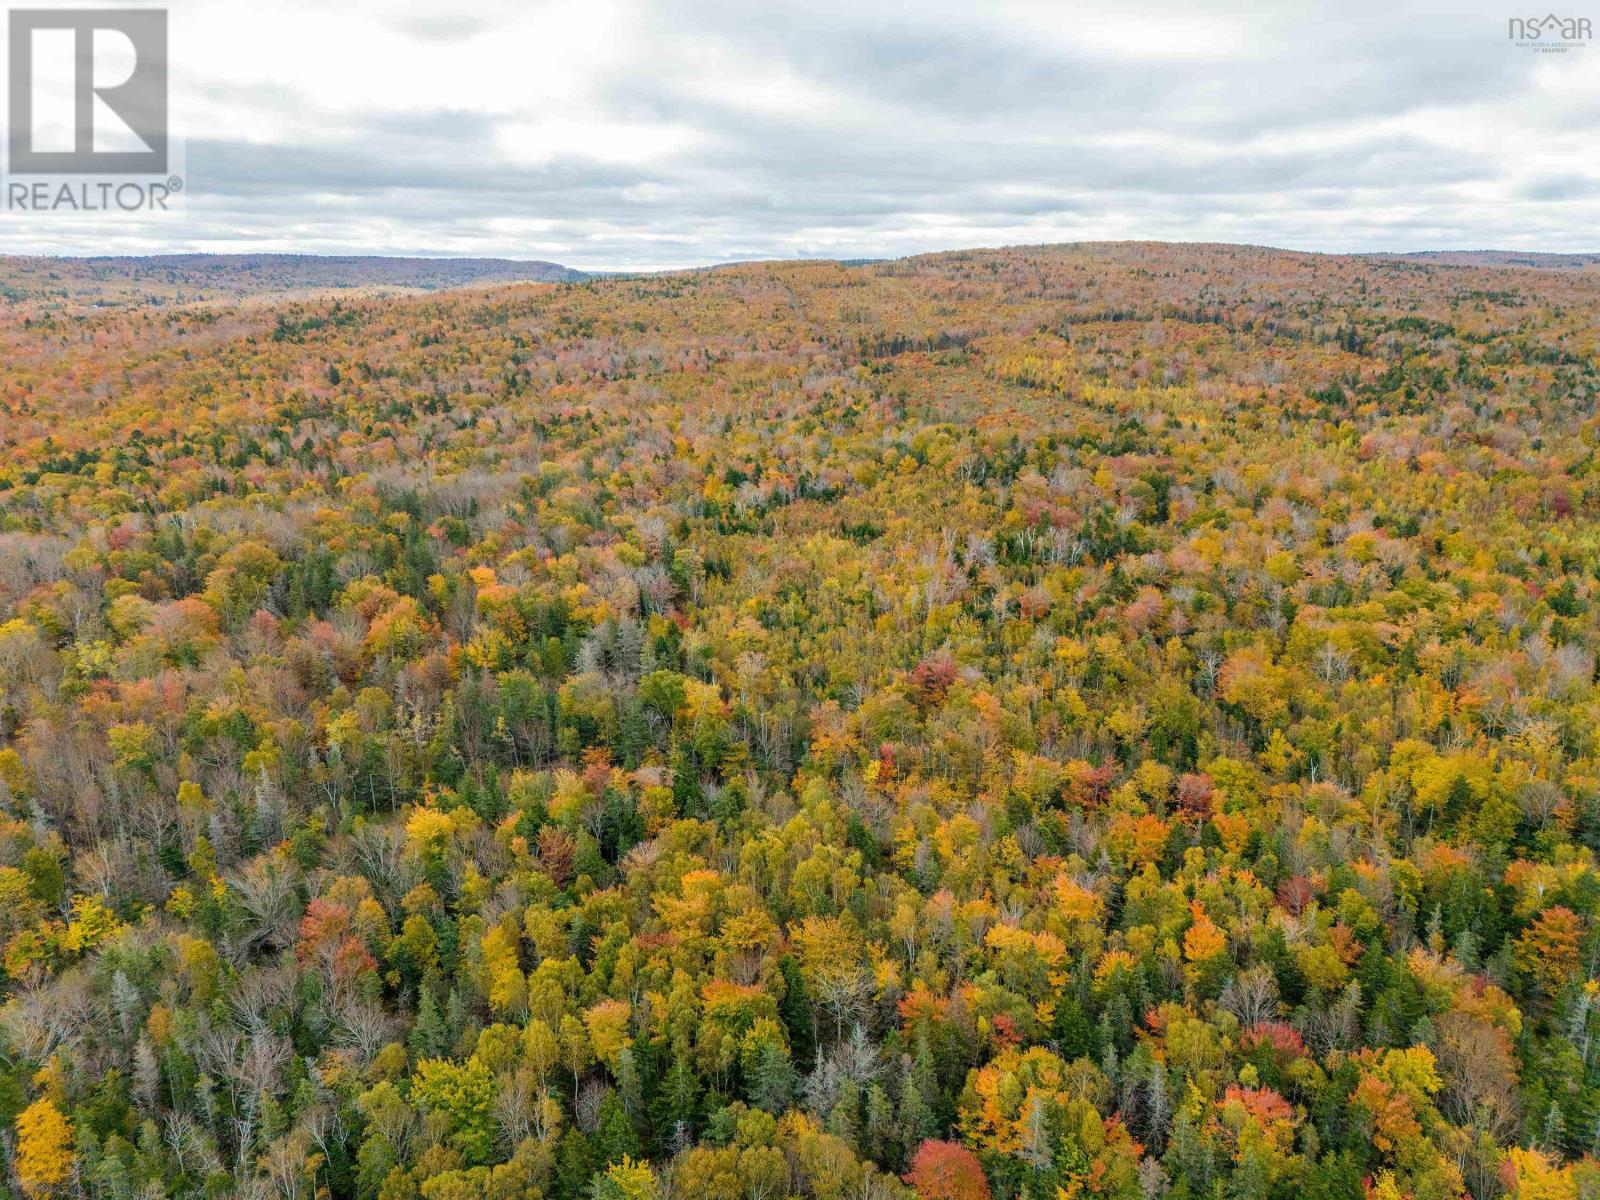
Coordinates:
(1551,28)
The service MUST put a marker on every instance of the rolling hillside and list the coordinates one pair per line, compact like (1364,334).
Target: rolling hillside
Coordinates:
(1115,720)
(195,277)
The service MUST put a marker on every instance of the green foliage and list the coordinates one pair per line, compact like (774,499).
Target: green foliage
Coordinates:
(1056,722)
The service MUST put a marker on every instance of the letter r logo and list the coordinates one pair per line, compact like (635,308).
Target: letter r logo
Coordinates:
(88,91)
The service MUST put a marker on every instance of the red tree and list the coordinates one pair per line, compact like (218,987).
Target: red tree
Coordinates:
(947,1171)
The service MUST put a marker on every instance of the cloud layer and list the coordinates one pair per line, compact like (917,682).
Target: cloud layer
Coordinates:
(619,134)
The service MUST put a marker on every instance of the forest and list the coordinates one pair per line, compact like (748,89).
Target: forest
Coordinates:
(1105,721)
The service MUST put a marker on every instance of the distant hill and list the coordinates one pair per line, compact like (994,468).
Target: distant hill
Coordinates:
(1498,258)
(170,278)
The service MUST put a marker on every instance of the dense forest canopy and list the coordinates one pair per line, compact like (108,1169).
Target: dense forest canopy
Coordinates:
(1107,721)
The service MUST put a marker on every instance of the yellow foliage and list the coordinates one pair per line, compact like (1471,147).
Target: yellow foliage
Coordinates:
(44,1147)
(1534,1176)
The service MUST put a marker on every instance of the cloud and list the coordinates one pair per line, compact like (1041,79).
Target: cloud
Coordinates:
(442,27)
(645,133)
(1559,188)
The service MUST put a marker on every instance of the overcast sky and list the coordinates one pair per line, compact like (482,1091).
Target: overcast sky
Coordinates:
(650,133)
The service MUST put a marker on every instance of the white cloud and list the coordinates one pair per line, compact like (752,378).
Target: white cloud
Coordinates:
(630,133)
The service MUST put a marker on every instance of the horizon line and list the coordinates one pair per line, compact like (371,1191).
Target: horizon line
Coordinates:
(711,264)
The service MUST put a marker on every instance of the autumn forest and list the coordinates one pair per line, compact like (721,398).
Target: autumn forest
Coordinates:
(1108,721)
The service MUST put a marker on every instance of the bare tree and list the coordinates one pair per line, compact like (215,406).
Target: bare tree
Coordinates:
(265,889)
(1252,995)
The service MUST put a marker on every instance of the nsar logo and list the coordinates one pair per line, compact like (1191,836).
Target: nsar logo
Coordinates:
(1550,33)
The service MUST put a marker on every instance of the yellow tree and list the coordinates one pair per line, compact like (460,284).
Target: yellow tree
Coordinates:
(44,1147)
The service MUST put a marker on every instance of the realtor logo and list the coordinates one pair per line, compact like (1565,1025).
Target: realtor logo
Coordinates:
(88,92)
